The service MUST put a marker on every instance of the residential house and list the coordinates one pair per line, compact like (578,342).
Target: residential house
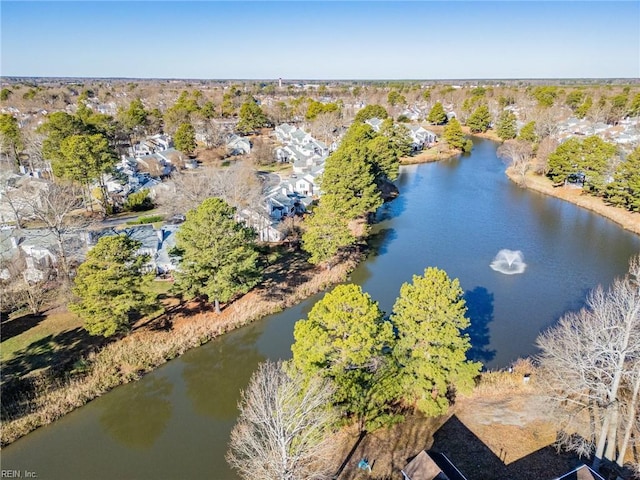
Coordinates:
(421,137)
(283,132)
(36,252)
(266,228)
(237,145)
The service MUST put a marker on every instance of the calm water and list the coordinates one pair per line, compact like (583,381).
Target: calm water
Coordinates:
(455,215)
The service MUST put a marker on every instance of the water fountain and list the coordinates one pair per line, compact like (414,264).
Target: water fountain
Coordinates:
(509,262)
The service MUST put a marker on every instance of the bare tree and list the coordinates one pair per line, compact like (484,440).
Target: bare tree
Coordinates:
(237,184)
(56,209)
(590,361)
(17,292)
(518,154)
(262,152)
(324,126)
(213,132)
(546,147)
(283,426)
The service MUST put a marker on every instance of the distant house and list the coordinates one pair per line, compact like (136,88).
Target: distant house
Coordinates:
(421,137)
(237,145)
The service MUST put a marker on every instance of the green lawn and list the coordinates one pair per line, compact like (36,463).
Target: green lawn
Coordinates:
(40,328)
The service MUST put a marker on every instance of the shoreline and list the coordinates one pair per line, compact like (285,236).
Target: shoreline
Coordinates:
(152,344)
(627,220)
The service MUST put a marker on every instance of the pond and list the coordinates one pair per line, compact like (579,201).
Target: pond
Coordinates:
(456,215)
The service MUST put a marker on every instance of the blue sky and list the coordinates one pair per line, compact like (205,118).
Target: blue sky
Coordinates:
(321,40)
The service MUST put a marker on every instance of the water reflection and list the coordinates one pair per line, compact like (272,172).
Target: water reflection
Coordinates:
(215,375)
(137,417)
(480,312)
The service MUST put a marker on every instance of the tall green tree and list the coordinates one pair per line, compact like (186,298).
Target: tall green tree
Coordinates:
(218,255)
(399,137)
(84,159)
(480,120)
(135,118)
(369,112)
(185,138)
(590,156)
(396,98)
(634,106)
(325,234)
(11,142)
(528,132)
(57,127)
(344,338)
(506,126)
(348,179)
(454,136)
(318,108)
(624,191)
(251,117)
(583,110)
(112,287)
(437,115)
(429,316)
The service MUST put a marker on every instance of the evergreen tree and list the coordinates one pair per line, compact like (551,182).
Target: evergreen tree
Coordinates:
(218,256)
(134,118)
(185,138)
(528,133)
(589,157)
(325,233)
(251,117)
(634,107)
(84,159)
(370,111)
(396,98)
(429,316)
(625,188)
(317,108)
(454,136)
(583,110)
(57,127)
(11,141)
(344,338)
(437,115)
(348,176)
(506,126)
(480,120)
(111,286)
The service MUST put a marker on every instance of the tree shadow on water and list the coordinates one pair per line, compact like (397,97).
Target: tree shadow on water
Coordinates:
(378,242)
(480,312)
(138,415)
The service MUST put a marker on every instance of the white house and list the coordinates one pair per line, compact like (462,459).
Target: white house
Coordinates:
(237,145)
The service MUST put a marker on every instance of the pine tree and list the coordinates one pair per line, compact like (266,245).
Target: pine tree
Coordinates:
(325,233)
(625,188)
(506,126)
(344,338)
(218,256)
(480,120)
(185,138)
(528,132)
(454,136)
(111,286)
(251,117)
(429,316)
(437,115)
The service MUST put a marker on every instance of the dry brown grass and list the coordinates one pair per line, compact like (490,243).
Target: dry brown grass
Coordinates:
(128,359)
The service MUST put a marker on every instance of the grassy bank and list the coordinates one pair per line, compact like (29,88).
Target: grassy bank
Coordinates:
(164,338)
(626,219)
